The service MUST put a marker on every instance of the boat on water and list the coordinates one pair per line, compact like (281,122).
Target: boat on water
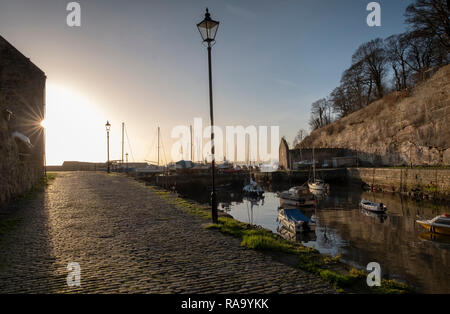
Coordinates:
(314,183)
(253,189)
(373,207)
(297,196)
(296,221)
(318,185)
(439,224)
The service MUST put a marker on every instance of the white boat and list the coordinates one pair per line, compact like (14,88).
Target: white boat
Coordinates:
(373,207)
(318,185)
(315,184)
(253,189)
(150,169)
(297,196)
(295,221)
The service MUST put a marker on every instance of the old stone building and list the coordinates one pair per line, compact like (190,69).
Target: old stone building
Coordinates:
(332,157)
(22,109)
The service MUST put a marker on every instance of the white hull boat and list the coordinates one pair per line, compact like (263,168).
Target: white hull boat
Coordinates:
(253,189)
(297,197)
(315,184)
(373,207)
(318,185)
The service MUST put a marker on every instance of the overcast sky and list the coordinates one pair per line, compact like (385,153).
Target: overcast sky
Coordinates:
(142,62)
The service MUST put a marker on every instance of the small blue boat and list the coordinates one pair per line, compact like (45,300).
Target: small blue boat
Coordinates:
(295,220)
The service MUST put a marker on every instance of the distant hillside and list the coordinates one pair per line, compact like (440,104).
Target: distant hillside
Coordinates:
(408,127)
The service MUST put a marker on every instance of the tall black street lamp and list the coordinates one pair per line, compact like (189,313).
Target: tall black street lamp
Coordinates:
(208,29)
(108,127)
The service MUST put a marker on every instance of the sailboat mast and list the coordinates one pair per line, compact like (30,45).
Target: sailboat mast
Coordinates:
(123,129)
(314,167)
(192,145)
(158,146)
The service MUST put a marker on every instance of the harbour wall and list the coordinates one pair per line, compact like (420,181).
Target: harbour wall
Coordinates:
(417,183)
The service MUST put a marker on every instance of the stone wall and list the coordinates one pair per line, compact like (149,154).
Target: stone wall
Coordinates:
(22,92)
(433,183)
(287,157)
(320,154)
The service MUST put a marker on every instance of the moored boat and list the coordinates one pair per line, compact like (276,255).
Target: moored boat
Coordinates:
(314,183)
(253,189)
(295,221)
(439,224)
(318,185)
(373,207)
(297,196)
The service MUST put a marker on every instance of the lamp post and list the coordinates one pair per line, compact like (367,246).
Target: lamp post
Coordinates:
(126,156)
(208,29)
(108,127)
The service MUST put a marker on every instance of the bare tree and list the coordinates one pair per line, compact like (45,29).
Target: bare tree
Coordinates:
(320,114)
(373,56)
(397,48)
(301,134)
(423,53)
(341,102)
(431,18)
(358,85)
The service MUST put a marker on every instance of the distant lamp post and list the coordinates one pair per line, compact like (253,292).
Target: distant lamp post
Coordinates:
(208,29)
(108,128)
(126,160)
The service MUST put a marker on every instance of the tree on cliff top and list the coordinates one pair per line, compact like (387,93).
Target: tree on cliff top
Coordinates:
(320,114)
(372,56)
(431,18)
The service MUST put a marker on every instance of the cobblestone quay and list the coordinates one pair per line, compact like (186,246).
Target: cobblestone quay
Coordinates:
(127,239)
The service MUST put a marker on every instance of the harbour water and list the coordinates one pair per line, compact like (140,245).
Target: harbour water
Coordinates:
(403,249)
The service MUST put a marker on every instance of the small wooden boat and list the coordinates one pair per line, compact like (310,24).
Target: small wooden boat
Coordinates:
(296,197)
(295,221)
(373,207)
(439,224)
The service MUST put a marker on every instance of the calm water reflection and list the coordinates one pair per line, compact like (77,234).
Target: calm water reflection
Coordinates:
(402,248)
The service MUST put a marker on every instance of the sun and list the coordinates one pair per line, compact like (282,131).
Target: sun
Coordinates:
(74,127)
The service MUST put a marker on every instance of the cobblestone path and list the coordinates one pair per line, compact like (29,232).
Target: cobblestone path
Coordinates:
(127,239)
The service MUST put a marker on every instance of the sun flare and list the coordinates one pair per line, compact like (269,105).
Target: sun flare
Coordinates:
(74,127)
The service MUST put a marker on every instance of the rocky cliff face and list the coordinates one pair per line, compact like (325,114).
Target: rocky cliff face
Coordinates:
(403,128)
